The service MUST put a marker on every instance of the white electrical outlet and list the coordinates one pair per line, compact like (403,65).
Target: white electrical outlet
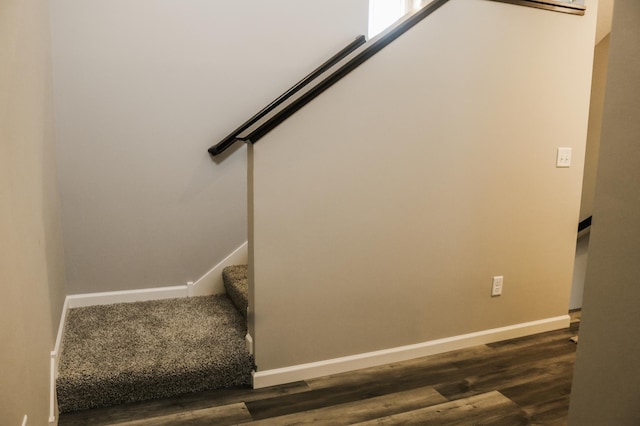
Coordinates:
(496,287)
(563,158)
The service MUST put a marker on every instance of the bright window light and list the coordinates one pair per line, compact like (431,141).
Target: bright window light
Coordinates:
(383,13)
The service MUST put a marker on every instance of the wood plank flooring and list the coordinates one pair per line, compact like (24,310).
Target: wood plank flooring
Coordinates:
(525,381)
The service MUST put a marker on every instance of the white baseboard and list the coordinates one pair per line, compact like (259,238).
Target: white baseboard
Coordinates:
(295,373)
(208,284)
(211,282)
(249,342)
(61,326)
(52,387)
(126,296)
(55,359)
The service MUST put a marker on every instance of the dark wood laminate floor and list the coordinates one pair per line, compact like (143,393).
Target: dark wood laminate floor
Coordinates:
(525,381)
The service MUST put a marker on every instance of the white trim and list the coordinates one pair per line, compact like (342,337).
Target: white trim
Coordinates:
(211,282)
(126,296)
(55,360)
(249,341)
(295,373)
(53,368)
(61,326)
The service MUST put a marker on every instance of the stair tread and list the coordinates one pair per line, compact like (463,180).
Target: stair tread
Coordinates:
(114,354)
(236,284)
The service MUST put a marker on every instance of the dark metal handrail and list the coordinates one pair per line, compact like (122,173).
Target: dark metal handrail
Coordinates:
(234,136)
(553,5)
(374,47)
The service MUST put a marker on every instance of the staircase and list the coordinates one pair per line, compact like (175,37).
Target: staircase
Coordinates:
(237,286)
(127,352)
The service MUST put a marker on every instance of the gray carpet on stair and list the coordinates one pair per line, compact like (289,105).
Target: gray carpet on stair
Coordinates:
(236,285)
(128,352)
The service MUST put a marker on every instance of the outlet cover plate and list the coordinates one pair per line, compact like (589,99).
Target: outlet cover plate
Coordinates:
(496,286)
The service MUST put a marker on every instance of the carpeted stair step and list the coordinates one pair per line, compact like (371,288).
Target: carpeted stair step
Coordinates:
(114,354)
(237,286)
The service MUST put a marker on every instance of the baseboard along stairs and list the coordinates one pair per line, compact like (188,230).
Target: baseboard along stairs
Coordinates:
(127,352)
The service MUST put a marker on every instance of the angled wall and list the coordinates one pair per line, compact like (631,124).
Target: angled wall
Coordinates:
(606,380)
(142,89)
(600,64)
(31,258)
(383,209)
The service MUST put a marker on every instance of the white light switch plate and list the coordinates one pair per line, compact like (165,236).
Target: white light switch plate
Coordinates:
(564,157)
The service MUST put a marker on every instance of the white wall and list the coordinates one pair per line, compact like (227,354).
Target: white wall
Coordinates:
(31,259)
(607,379)
(142,89)
(384,207)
